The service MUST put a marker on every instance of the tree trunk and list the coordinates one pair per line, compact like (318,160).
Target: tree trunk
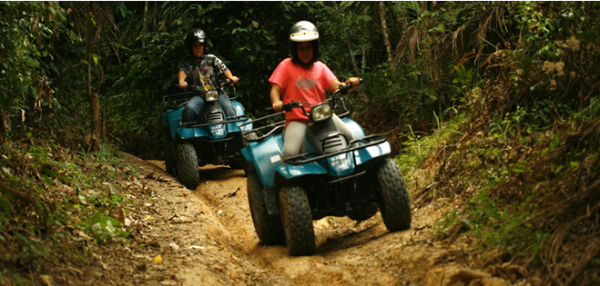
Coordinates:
(352,55)
(386,37)
(103,124)
(96,124)
(144,26)
(364,50)
(92,96)
(19,195)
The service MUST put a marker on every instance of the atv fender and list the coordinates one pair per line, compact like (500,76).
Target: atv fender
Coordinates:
(265,156)
(239,111)
(172,117)
(187,132)
(239,108)
(367,154)
(289,172)
(358,131)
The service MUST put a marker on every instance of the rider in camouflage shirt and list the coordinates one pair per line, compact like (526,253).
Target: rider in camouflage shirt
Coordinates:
(203,72)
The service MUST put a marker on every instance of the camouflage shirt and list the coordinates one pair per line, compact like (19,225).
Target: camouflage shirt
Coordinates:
(207,73)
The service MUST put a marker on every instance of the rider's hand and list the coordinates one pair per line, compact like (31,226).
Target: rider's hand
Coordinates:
(354,81)
(183,84)
(234,80)
(278,106)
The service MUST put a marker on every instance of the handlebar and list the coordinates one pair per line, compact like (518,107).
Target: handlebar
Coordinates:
(343,90)
(176,100)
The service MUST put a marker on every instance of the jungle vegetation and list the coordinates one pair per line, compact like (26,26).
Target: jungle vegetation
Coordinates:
(493,104)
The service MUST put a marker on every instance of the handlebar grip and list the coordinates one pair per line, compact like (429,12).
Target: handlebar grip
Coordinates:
(287,107)
(350,86)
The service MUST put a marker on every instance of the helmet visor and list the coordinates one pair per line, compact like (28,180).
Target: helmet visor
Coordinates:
(304,36)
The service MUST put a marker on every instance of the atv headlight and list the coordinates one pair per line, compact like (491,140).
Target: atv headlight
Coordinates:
(211,95)
(320,112)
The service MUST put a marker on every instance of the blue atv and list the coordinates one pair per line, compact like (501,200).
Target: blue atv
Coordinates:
(191,145)
(333,177)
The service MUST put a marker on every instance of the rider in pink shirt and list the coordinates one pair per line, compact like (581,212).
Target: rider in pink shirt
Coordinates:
(298,83)
(303,78)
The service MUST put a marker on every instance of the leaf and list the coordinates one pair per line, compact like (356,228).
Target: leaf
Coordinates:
(554,142)
(50,173)
(39,251)
(34,92)
(346,4)
(83,200)
(109,227)
(46,179)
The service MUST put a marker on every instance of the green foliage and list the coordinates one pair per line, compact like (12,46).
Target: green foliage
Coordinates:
(103,228)
(25,59)
(79,194)
(522,155)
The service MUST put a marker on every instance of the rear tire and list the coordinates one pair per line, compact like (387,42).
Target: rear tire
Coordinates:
(268,228)
(394,203)
(187,165)
(169,160)
(297,220)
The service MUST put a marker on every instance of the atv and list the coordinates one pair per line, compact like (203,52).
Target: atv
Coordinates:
(333,177)
(215,141)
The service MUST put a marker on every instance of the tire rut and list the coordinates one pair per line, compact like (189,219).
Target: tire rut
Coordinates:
(347,252)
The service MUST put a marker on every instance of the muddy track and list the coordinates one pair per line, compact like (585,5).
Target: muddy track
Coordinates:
(206,237)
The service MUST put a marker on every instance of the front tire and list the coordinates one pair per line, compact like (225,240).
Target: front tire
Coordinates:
(394,203)
(268,228)
(297,220)
(187,165)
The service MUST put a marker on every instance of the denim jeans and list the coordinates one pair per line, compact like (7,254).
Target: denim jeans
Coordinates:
(191,112)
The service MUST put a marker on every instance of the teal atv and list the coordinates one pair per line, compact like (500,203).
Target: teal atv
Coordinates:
(216,141)
(334,177)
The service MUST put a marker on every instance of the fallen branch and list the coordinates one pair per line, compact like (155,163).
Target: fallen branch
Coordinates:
(18,194)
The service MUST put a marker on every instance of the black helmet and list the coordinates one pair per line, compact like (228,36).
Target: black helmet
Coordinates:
(194,36)
(304,31)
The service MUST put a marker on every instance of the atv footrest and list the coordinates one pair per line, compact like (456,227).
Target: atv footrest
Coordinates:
(337,180)
(219,140)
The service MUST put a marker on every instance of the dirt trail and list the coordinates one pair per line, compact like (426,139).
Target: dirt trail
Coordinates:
(206,237)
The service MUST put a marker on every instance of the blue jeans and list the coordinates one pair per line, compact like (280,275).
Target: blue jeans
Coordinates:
(191,112)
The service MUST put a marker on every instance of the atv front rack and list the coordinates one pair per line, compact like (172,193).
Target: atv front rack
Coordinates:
(176,100)
(232,119)
(258,133)
(368,141)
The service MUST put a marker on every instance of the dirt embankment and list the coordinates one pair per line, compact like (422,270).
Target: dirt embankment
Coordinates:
(206,237)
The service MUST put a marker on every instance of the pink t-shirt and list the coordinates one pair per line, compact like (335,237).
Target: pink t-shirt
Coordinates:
(300,84)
